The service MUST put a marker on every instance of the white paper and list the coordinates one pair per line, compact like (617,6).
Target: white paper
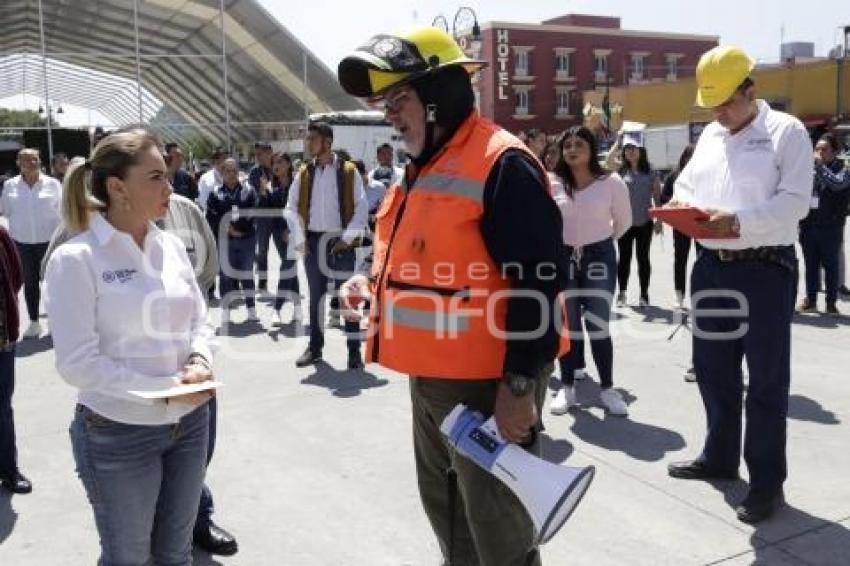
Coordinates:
(177,390)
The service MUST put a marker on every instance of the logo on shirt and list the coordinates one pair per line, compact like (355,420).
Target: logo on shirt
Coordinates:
(120,275)
(757,144)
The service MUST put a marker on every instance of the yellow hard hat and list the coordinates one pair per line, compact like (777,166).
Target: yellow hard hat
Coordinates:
(720,71)
(390,59)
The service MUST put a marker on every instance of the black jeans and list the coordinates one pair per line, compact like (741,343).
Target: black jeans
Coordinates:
(8,451)
(639,237)
(31,258)
(325,269)
(821,245)
(681,250)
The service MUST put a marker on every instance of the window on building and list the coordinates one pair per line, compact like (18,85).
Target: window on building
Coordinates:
(521,63)
(638,66)
(562,100)
(672,67)
(523,103)
(563,64)
(601,66)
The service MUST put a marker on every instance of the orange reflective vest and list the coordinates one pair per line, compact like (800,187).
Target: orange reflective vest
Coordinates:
(440,301)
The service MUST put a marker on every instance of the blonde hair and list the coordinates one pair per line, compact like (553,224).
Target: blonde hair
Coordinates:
(85,183)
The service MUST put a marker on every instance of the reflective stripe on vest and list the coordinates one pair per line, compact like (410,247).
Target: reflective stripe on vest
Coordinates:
(440,306)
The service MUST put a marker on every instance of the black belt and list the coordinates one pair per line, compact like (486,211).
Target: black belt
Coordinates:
(783,255)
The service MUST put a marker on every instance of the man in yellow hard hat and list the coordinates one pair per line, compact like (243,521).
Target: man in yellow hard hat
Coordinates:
(751,172)
(468,262)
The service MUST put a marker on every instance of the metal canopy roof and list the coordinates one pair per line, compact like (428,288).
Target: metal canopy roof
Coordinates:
(94,57)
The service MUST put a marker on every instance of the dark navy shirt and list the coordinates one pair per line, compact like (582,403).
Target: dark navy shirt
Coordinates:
(223,200)
(184,185)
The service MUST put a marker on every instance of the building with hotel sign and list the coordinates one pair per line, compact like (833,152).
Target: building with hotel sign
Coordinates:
(538,72)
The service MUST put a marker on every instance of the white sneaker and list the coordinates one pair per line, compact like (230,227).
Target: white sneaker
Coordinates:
(33,330)
(252,315)
(277,319)
(564,400)
(690,375)
(225,318)
(621,299)
(613,402)
(580,374)
(680,300)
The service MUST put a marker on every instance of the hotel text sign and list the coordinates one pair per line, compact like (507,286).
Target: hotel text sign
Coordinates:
(503,52)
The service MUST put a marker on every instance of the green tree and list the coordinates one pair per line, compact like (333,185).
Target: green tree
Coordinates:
(20,118)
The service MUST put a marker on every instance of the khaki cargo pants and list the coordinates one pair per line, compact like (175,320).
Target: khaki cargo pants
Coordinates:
(491,527)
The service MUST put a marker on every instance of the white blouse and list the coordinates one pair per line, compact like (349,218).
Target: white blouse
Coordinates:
(125,319)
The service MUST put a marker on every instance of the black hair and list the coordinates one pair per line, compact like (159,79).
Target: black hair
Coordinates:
(562,169)
(686,155)
(533,133)
(383,146)
(748,82)
(323,129)
(361,167)
(343,154)
(58,156)
(549,147)
(285,156)
(832,140)
(643,162)
(169,146)
(219,153)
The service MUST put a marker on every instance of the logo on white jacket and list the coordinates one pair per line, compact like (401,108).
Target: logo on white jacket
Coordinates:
(119,275)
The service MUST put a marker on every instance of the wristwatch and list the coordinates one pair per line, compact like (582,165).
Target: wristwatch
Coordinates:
(520,385)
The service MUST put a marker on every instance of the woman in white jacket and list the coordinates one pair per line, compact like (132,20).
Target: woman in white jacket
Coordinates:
(128,320)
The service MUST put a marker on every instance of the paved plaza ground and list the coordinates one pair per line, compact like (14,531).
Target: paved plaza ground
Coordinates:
(314,466)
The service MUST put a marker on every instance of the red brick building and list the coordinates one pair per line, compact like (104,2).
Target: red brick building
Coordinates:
(538,72)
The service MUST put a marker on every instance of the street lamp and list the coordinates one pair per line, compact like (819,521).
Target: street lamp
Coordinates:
(464,20)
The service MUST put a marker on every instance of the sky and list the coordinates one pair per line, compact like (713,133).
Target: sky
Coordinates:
(755,25)
(340,26)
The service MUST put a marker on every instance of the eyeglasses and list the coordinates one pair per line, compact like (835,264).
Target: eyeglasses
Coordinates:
(391,103)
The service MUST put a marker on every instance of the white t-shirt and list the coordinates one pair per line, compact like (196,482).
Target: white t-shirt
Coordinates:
(33,212)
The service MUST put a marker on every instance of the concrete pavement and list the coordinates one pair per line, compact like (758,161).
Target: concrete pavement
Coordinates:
(314,466)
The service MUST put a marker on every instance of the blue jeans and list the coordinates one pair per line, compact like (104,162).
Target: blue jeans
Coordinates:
(821,245)
(8,450)
(287,283)
(590,291)
(264,235)
(144,483)
(205,507)
(763,335)
(238,253)
(324,270)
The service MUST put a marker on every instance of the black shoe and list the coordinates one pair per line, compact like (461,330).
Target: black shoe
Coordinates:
(832,310)
(697,470)
(756,508)
(309,357)
(843,290)
(215,540)
(355,361)
(17,483)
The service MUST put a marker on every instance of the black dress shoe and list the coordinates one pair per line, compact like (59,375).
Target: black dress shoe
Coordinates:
(17,483)
(309,357)
(758,507)
(215,540)
(697,470)
(355,361)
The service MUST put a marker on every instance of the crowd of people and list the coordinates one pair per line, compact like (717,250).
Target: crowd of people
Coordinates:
(131,248)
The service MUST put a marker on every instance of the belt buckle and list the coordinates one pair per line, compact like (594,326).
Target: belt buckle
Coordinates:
(724,255)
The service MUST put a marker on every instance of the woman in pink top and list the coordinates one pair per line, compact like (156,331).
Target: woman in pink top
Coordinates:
(596,210)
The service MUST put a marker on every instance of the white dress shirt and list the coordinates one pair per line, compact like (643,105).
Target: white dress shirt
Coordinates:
(209,182)
(324,205)
(396,174)
(33,212)
(125,319)
(762,173)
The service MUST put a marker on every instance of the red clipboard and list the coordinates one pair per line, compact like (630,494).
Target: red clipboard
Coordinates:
(685,220)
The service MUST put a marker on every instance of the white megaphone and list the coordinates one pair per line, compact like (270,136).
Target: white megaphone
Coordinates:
(549,492)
